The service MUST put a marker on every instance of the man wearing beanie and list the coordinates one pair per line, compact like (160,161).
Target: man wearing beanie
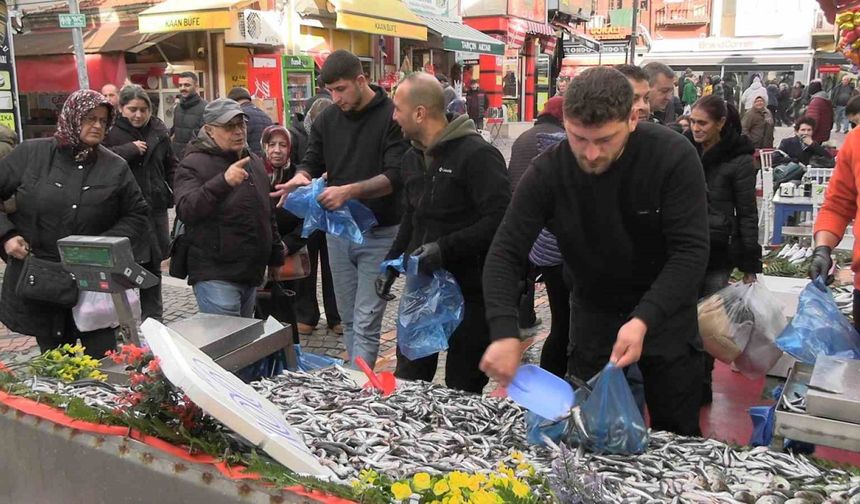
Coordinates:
(257,119)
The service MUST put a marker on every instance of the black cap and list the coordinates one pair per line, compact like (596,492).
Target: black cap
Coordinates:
(239,93)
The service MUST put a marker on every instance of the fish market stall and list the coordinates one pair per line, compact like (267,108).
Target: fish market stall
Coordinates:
(820,404)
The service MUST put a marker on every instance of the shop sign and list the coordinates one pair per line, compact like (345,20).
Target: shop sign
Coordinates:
(573,49)
(430,7)
(184,21)
(293,62)
(73,20)
(534,10)
(225,397)
(455,44)
(829,69)
(8,89)
(347,21)
(609,32)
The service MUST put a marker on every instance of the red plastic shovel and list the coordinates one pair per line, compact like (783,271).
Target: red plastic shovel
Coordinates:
(384,382)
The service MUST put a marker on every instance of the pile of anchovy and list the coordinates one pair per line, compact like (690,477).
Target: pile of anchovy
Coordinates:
(427,427)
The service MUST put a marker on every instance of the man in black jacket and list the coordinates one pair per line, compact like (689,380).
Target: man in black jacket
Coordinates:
(453,228)
(359,145)
(661,78)
(187,114)
(222,196)
(801,147)
(257,119)
(632,226)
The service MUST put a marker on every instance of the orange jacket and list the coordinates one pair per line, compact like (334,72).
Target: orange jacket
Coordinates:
(841,198)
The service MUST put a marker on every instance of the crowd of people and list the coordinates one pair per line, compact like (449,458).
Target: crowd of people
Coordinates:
(629,209)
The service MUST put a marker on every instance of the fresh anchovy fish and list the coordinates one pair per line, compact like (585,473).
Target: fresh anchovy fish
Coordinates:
(427,427)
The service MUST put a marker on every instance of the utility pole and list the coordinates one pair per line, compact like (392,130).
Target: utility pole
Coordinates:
(633,30)
(80,57)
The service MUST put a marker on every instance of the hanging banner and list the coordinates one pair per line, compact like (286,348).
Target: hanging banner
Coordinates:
(9,115)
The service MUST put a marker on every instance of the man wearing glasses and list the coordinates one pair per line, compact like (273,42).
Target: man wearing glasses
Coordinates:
(222,196)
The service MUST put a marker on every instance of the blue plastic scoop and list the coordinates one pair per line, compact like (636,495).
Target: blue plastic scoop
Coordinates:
(541,392)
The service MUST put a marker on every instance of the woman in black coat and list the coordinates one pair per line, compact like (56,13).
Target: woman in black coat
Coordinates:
(732,212)
(66,185)
(144,142)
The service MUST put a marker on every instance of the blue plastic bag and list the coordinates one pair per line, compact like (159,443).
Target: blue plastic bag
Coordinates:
(819,328)
(350,221)
(611,418)
(310,361)
(431,308)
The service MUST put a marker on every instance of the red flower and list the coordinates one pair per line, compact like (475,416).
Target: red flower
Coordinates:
(153,367)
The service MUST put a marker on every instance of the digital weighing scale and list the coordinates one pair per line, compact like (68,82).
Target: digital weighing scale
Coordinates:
(106,264)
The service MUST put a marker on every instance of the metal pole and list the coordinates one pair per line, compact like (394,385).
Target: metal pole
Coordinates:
(633,29)
(80,57)
(10,40)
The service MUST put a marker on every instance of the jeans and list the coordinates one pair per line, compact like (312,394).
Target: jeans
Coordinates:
(225,298)
(354,268)
(840,121)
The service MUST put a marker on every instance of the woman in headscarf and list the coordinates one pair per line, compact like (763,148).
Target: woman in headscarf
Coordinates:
(144,142)
(66,185)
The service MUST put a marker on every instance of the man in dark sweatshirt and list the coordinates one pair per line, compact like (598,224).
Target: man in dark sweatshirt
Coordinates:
(632,226)
(187,114)
(468,188)
(359,145)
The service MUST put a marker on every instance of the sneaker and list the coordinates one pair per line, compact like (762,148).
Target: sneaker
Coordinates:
(337,329)
(305,329)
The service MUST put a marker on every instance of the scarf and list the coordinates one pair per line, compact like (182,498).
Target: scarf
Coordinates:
(77,106)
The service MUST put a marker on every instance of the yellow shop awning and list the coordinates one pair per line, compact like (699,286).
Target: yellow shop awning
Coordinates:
(182,15)
(380,17)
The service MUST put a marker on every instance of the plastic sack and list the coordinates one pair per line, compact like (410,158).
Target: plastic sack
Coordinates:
(95,310)
(611,420)
(350,221)
(739,325)
(431,308)
(762,419)
(537,427)
(819,328)
(308,361)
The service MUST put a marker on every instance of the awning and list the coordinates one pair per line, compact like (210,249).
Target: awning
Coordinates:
(458,37)
(58,73)
(110,37)
(182,15)
(379,17)
(536,28)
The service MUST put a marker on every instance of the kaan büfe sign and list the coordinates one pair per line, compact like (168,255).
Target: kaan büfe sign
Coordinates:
(184,21)
(609,32)
(347,21)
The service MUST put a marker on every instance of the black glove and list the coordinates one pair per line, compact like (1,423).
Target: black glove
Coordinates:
(821,264)
(429,257)
(384,282)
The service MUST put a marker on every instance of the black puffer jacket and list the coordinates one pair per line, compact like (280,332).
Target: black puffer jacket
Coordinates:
(525,147)
(257,122)
(732,212)
(232,231)
(57,197)
(187,121)
(154,170)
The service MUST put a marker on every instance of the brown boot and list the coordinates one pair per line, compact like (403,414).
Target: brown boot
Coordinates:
(304,328)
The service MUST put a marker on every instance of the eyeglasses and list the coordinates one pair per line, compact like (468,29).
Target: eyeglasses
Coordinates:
(93,120)
(241,124)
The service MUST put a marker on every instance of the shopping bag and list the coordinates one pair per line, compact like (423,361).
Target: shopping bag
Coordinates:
(739,325)
(95,310)
(610,419)
(350,221)
(308,361)
(819,328)
(431,308)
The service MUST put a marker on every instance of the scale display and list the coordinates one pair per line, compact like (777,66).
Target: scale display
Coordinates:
(100,257)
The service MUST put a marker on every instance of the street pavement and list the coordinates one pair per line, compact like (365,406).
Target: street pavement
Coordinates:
(179,303)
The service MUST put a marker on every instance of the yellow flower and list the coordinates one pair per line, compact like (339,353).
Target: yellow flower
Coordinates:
(440,487)
(421,482)
(474,483)
(517,456)
(458,479)
(483,497)
(455,498)
(520,489)
(401,490)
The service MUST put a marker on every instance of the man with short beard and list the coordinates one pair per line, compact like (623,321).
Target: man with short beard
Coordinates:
(187,113)
(661,79)
(360,146)
(639,82)
(451,230)
(632,225)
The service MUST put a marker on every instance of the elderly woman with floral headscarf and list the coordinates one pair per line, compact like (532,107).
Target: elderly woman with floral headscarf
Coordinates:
(66,185)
